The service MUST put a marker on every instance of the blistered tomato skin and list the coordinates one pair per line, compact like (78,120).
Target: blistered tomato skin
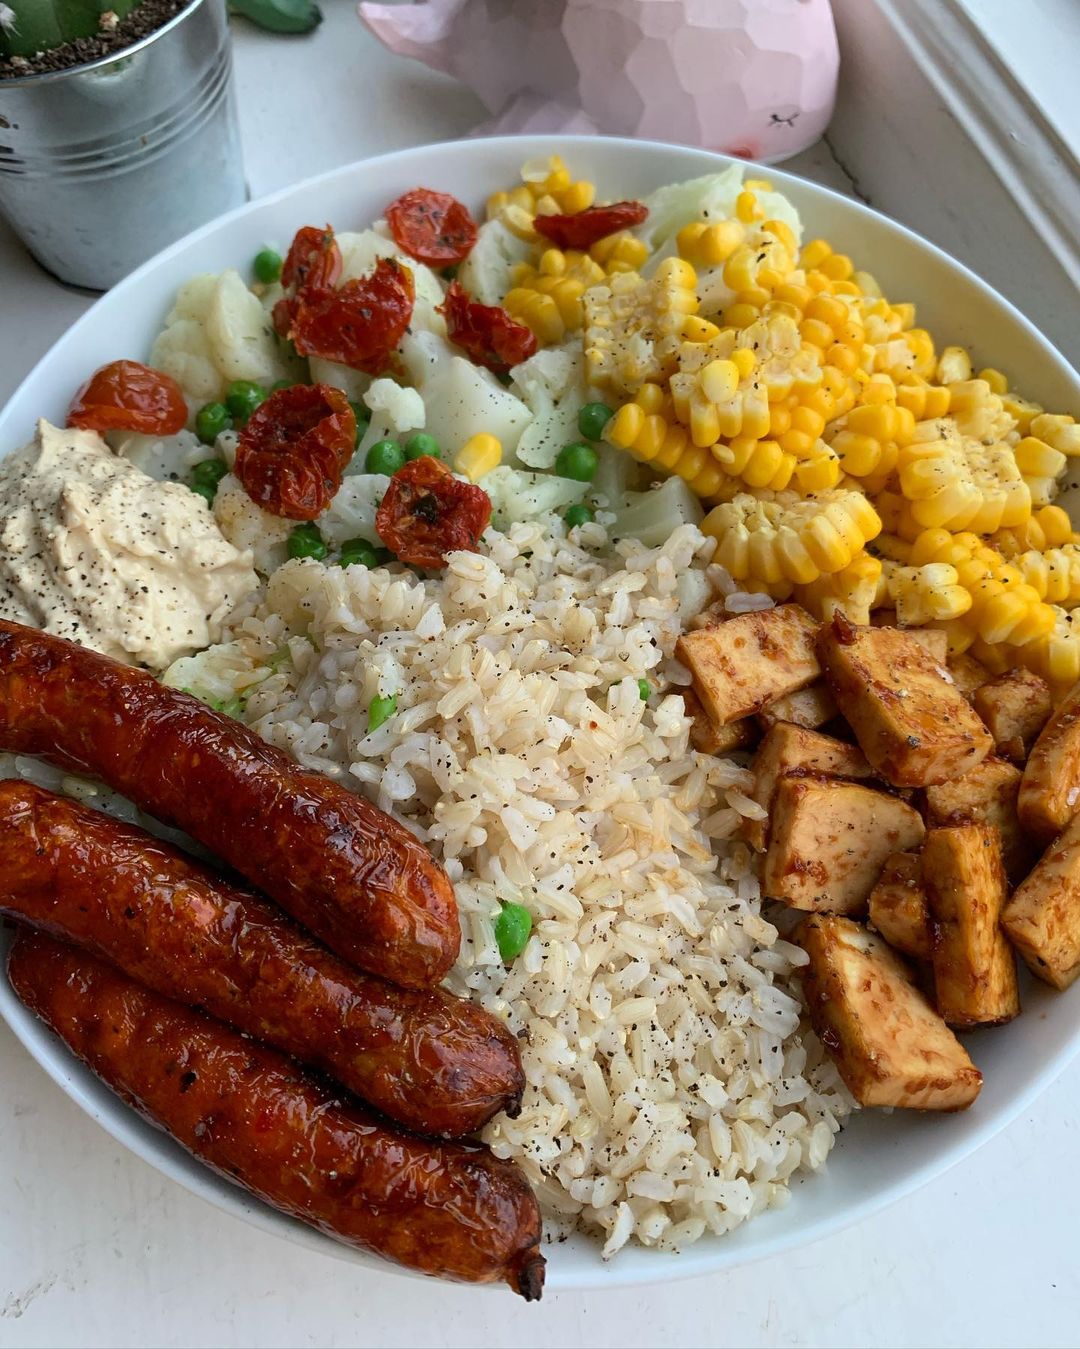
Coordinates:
(432,227)
(588,227)
(486,331)
(427,513)
(293,449)
(361,323)
(314,260)
(129,396)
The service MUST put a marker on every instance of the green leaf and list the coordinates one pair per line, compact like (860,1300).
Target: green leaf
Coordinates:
(34,26)
(280,16)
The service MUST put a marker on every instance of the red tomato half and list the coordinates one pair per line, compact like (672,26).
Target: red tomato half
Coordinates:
(361,323)
(432,227)
(583,230)
(486,331)
(293,449)
(427,513)
(128,396)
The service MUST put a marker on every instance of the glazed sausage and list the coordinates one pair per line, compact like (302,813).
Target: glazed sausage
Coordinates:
(347,871)
(253,1115)
(434,1063)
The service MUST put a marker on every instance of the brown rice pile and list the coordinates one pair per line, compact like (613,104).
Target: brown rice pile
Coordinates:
(672,1090)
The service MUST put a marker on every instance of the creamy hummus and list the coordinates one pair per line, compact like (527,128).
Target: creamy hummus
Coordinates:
(93,549)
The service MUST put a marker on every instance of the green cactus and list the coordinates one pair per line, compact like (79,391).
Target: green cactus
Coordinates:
(31,26)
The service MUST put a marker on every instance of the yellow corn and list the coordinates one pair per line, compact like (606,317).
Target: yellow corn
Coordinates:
(1040,467)
(652,439)
(958,482)
(1056,654)
(851,591)
(478,456)
(1060,433)
(925,594)
(801,539)
(634,326)
(1054,574)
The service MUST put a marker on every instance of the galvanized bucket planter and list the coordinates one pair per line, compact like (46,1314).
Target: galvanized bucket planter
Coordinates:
(104,164)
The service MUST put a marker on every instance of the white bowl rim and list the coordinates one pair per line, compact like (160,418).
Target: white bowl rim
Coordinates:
(127,1127)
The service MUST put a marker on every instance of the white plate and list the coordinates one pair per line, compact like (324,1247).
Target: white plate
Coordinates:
(879,1157)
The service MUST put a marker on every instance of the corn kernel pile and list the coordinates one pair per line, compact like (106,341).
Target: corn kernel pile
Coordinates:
(848,463)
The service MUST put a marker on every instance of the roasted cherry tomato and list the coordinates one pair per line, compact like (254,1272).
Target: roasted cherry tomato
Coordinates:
(427,513)
(583,230)
(432,227)
(313,261)
(292,451)
(127,396)
(313,265)
(485,331)
(359,324)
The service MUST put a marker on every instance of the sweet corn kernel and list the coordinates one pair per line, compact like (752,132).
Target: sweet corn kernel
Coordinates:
(478,456)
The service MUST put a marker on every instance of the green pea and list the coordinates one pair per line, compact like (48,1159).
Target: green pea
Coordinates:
(358,553)
(267,266)
(205,490)
(416,447)
(450,273)
(210,420)
(512,929)
(385,456)
(381,710)
(231,707)
(306,541)
(577,461)
(209,472)
(592,419)
(243,397)
(644,688)
(279,384)
(578,514)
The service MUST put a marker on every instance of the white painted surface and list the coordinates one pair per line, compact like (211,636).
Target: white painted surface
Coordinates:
(97,1249)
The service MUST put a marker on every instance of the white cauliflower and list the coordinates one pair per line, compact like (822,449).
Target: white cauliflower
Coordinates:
(552,385)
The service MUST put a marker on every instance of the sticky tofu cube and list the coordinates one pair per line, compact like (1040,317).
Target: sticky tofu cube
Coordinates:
(888,1043)
(898,907)
(1050,791)
(791,750)
(709,739)
(1015,707)
(1042,919)
(974,965)
(986,794)
(739,666)
(811,707)
(967,673)
(912,724)
(828,841)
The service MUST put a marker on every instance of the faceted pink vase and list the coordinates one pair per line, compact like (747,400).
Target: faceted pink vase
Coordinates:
(755,78)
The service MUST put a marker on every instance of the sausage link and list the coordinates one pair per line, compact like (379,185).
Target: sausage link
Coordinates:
(434,1063)
(346,870)
(252,1114)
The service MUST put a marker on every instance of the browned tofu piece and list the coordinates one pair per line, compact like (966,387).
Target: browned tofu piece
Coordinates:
(709,739)
(968,674)
(792,750)
(1042,919)
(1050,791)
(935,640)
(1015,707)
(974,966)
(811,707)
(986,794)
(898,906)
(739,666)
(913,725)
(828,841)
(890,1046)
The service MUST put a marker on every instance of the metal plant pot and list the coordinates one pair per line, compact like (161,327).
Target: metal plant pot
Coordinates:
(104,164)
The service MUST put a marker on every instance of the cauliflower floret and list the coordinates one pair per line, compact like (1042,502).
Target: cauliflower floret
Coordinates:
(402,409)
(486,272)
(247,525)
(552,385)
